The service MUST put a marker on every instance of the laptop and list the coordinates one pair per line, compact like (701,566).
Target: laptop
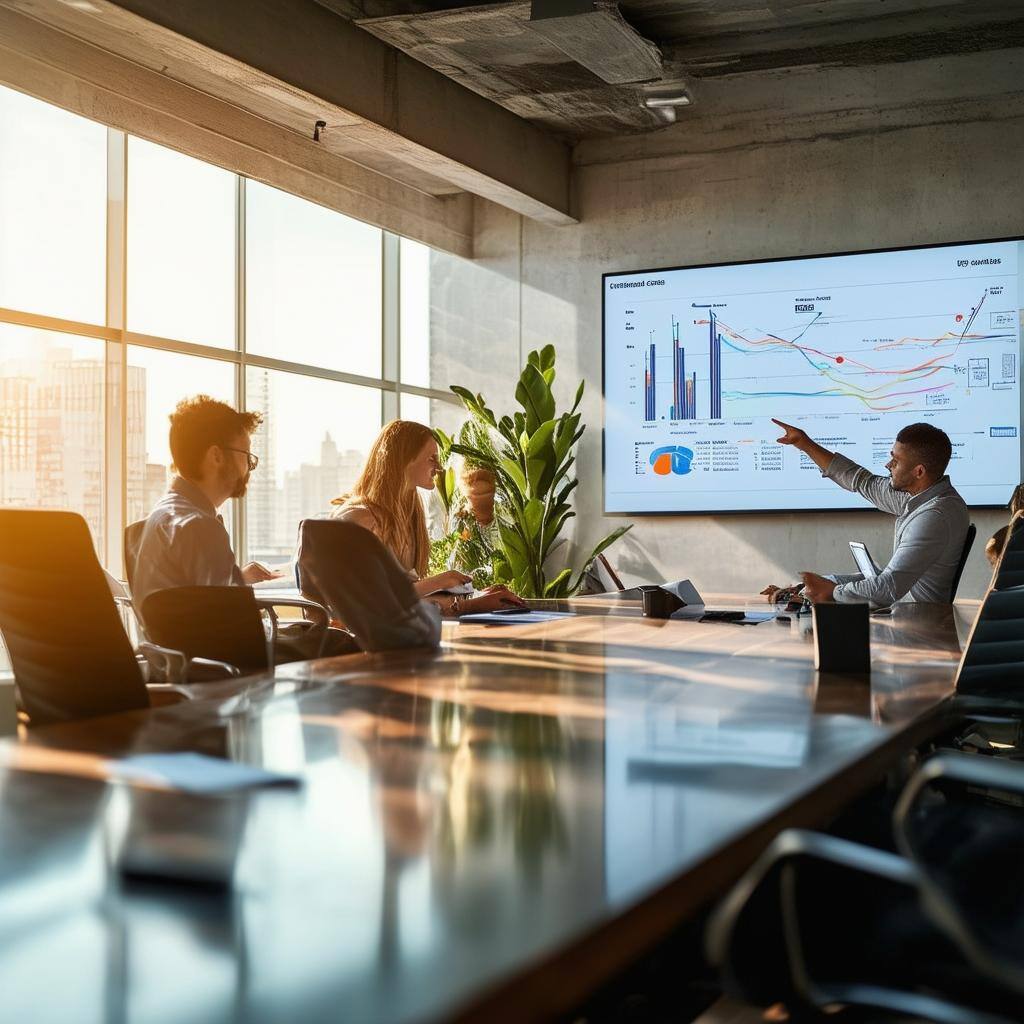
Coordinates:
(865,563)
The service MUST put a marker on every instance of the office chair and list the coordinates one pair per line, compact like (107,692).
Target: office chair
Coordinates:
(238,619)
(225,624)
(1009,571)
(819,921)
(992,663)
(972,532)
(70,653)
(960,822)
(348,569)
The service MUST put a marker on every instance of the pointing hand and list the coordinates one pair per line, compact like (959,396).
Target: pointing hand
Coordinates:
(792,435)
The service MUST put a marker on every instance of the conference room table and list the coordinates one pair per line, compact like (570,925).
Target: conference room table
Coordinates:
(490,831)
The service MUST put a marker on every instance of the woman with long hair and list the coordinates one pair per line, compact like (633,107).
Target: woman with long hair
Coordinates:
(384,500)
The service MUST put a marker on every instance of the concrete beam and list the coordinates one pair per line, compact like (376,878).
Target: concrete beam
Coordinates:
(299,56)
(54,67)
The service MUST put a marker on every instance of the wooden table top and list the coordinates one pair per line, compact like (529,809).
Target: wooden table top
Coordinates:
(486,832)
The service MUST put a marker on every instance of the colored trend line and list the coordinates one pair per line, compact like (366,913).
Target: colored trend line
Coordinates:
(827,363)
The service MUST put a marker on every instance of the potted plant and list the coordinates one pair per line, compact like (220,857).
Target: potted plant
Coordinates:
(526,458)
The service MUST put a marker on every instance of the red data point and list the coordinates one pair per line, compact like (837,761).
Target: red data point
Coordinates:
(959,317)
(840,359)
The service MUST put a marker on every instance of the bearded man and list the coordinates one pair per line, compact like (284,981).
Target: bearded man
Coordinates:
(184,542)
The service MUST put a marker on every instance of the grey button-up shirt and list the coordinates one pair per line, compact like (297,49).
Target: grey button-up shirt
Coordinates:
(184,544)
(930,532)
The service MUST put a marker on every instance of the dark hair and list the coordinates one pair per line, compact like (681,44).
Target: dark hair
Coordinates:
(929,445)
(202,421)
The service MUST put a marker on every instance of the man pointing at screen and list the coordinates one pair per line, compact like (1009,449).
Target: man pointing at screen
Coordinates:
(931,518)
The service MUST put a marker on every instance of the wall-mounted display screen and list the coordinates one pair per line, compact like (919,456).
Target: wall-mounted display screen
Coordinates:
(698,360)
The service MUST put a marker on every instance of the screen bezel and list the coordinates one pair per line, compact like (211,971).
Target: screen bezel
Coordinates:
(776,259)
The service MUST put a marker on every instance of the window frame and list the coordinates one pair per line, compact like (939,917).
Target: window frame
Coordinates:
(118,339)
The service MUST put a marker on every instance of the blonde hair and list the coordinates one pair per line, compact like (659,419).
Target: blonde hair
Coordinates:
(386,492)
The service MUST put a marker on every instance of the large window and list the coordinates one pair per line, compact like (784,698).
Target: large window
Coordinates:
(51,422)
(53,210)
(230,288)
(313,283)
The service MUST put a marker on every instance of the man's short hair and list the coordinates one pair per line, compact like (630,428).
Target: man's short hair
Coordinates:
(929,445)
(202,421)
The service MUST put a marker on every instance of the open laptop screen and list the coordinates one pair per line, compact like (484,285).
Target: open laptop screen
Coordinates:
(865,563)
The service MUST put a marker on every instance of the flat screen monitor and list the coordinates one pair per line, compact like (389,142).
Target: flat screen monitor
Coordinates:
(850,348)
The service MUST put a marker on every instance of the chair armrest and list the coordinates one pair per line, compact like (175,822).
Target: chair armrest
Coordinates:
(319,612)
(163,695)
(970,769)
(176,668)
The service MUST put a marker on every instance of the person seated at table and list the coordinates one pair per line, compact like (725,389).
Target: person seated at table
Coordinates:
(184,542)
(931,519)
(385,501)
(996,543)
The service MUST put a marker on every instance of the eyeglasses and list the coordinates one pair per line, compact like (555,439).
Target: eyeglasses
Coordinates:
(254,460)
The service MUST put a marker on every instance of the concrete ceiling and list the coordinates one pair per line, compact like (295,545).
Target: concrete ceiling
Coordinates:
(490,48)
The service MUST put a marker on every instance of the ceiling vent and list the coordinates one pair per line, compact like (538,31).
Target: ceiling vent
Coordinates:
(595,34)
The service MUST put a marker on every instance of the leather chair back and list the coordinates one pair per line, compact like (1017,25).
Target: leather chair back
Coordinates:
(132,543)
(347,569)
(972,532)
(1010,568)
(993,660)
(70,654)
(222,623)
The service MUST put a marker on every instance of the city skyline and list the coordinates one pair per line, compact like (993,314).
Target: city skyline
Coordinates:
(51,448)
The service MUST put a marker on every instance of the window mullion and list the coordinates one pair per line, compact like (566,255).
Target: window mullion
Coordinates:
(238,512)
(115,406)
(390,324)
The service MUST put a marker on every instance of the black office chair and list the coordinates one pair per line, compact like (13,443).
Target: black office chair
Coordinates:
(235,615)
(131,542)
(822,922)
(1009,571)
(960,822)
(222,623)
(972,532)
(992,664)
(70,654)
(346,567)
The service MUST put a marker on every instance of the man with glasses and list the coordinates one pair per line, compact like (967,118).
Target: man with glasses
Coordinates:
(184,543)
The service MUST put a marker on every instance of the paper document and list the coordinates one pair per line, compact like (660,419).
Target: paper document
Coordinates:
(196,773)
(514,618)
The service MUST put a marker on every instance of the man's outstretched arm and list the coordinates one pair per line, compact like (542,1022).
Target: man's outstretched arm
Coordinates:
(847,474)
(820,456)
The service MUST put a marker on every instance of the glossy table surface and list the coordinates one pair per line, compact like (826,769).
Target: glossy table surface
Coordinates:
(489,831)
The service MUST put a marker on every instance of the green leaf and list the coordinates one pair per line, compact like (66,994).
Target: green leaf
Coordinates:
(475,404)
(554,528)
(579,397)
(565,436)
(559,585)
(515,472)
(444,444)
(533,520)
(566,491)
(516,553)
(546,357)
(534,394)
(506,427)
(475,454)
(602,545)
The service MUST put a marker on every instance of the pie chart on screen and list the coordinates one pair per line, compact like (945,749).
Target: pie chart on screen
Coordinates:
(671,459)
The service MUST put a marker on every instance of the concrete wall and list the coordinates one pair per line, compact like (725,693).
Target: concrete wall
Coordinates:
(808,162)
